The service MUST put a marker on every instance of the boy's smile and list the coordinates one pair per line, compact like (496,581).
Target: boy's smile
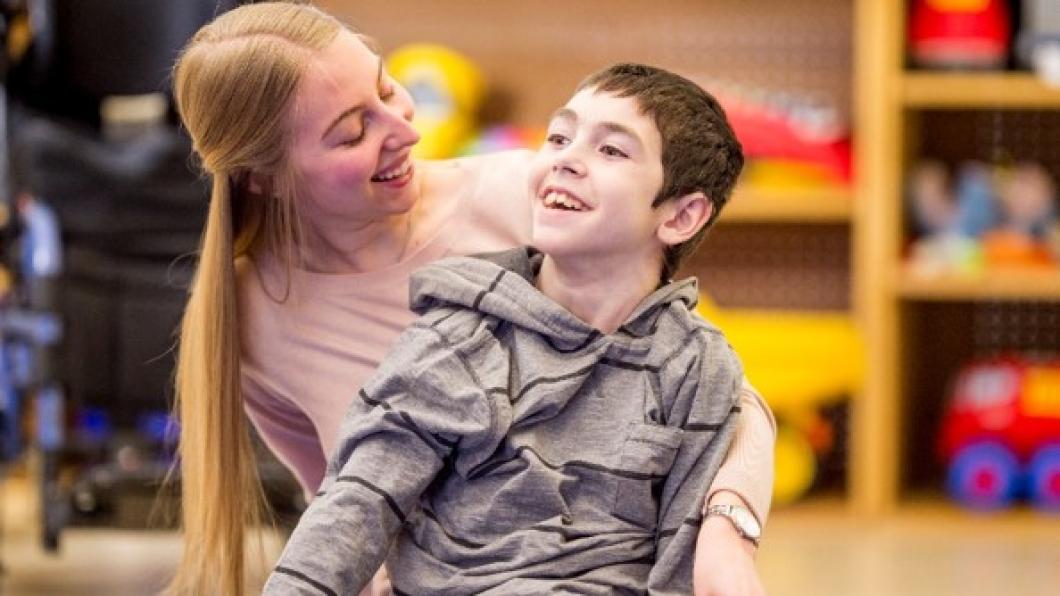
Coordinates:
(594,179)
(555,197)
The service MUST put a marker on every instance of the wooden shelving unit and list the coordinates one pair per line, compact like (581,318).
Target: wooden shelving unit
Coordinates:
(1006,90)
(987,286)
(828,205)
(892,104)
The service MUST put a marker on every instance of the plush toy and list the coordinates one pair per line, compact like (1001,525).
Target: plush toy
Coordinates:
(447,88)
(949,217)
(1027,195)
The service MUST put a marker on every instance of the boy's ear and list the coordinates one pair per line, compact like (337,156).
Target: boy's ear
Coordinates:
(682,217)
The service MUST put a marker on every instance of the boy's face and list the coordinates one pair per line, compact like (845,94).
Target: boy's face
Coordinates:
(593,181)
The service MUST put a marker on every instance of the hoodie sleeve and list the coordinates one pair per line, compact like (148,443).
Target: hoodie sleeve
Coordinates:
(408,421)
(708,379)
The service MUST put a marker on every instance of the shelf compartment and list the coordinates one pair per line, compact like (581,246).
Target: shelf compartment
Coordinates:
(1004,90)
(827,205)
(989,286)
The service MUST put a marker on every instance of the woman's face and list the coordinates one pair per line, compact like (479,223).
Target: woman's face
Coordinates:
(352,135)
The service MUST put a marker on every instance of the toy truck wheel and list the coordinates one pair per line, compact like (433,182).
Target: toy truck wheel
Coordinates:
(983,476)
(1045,478)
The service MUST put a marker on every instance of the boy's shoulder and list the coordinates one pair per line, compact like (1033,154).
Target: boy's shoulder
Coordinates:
(700,338)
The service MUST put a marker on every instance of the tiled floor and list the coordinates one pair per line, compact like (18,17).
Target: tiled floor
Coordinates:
(809,551)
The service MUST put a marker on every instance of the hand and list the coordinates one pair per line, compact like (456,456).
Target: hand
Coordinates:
(724,564)
(379,586)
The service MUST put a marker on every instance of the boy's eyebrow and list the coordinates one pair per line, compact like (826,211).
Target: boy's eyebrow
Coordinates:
(565,114)
(614,127)
(350,111)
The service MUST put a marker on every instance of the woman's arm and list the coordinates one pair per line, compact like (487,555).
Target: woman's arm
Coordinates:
(287,432)
(747,471)
(724,564)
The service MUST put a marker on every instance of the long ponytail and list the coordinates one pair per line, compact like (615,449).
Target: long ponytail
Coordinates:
(234,84)
(221,492)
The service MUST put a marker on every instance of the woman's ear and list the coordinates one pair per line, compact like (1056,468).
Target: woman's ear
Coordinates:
(682,217)
(256,184)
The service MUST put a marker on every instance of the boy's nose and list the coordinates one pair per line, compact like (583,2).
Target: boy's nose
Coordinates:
(567,163)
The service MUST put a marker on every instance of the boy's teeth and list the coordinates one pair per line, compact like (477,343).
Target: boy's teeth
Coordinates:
(554,199)
(399,171)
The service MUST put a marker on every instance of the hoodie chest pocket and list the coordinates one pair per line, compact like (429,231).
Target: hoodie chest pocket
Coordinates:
(647,455)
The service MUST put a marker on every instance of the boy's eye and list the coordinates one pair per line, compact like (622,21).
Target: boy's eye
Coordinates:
(386,92)
(557,139)
(612,151)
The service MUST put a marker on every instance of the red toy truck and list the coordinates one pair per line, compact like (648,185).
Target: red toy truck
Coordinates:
(1001,433)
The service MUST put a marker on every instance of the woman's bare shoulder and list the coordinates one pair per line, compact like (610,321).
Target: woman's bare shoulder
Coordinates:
(475,178)
(468,171)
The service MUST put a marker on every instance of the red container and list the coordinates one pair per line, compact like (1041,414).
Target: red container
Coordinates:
(959,33)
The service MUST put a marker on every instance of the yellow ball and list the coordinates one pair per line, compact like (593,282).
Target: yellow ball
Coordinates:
(447,88)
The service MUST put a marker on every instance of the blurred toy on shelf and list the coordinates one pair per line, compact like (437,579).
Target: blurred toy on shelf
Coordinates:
(787,136)
(1038,45)
(503,137)
(448,90)
(959,34)
(989,217)
(803,386)
(1000,434)
(1027,195)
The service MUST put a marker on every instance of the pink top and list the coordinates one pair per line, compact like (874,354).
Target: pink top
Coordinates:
(304,359)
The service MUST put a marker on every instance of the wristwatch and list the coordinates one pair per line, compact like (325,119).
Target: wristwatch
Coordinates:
(742,519)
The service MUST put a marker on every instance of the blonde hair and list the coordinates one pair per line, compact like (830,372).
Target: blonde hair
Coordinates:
(234,85)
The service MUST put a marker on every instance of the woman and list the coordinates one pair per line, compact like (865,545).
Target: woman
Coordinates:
(317,217)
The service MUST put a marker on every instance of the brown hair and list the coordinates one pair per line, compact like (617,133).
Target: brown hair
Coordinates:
(234,84)
(700,152)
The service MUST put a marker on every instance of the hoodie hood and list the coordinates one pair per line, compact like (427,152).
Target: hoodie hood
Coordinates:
(502,285)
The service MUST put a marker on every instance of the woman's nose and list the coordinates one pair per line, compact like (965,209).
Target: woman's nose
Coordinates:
(401,133)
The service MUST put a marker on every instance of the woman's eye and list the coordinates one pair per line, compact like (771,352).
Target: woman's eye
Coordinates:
(612,151)
(386,92)
(352,140)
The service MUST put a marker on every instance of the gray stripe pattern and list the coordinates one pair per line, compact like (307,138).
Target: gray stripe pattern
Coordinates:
(505,447)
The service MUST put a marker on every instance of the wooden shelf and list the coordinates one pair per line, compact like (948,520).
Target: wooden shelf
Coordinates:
(750,205)
(999,90)
(1019,518)
(994,285)
(932,511)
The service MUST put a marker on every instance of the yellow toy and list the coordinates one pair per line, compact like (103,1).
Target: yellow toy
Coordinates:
(447,89)
(799,361)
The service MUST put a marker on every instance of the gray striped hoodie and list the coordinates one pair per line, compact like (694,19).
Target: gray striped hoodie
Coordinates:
(509,448)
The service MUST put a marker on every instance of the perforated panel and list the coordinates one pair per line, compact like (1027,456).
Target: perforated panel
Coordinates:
(1024,327)
(534,53)
(994,136)
(776,266)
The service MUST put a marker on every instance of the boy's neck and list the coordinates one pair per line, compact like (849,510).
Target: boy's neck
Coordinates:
(602,296)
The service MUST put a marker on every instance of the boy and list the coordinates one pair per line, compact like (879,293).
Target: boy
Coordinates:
(552,422)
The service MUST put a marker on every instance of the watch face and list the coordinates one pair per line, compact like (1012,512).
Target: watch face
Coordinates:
(747,522)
